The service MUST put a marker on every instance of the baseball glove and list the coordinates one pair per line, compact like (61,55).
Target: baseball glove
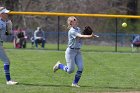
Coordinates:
(8,27)
(87,30)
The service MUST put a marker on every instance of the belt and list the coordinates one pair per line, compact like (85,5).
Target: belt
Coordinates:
(74,48)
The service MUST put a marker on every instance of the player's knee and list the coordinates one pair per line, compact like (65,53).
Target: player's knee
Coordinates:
(80,69)
(70,71)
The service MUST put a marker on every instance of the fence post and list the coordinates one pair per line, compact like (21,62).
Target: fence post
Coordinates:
(116,25)
(58,32)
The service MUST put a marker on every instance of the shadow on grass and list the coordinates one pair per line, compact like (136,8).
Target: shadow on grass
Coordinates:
(84,86)
(120,87)
(48,85)
(43,85)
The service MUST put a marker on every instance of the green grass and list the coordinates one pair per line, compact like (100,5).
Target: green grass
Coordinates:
(103,72)
(87,48)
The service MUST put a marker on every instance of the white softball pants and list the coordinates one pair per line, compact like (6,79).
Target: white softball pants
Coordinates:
(73,56)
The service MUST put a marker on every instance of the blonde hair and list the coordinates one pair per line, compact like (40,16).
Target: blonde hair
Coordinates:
(69,20)
(1,8)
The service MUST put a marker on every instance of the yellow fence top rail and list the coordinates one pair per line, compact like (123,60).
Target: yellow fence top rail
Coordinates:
(74,14)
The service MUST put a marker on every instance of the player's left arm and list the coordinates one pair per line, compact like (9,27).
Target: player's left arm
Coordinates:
(9,26)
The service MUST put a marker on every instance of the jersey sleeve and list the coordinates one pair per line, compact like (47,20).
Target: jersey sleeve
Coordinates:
(0,26)
(74,34)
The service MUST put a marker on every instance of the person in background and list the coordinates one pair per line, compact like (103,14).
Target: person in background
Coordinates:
(21,35)
(39,37)
(19,38)
(3,29)
(136,41)
(32,41)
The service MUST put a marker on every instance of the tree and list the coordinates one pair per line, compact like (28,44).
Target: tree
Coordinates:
(133,10)
(132,6)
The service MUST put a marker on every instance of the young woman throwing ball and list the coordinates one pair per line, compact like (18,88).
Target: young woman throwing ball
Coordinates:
(73,54)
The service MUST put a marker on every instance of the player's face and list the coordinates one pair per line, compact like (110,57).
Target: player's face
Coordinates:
(74,22)
(4,16)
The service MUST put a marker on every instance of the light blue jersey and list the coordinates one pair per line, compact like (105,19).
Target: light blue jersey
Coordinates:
(2,28)
(3,56)
(73,41)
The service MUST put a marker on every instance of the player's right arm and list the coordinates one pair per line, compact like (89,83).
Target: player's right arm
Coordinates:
(75,34)
(85,36)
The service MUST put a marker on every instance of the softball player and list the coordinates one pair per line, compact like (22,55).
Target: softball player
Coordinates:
(3,56)
(73,54)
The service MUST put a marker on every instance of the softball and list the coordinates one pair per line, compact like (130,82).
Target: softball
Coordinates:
(124,24)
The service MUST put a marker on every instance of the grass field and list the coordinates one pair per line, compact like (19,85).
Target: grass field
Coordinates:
(87,48)
(103,72)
